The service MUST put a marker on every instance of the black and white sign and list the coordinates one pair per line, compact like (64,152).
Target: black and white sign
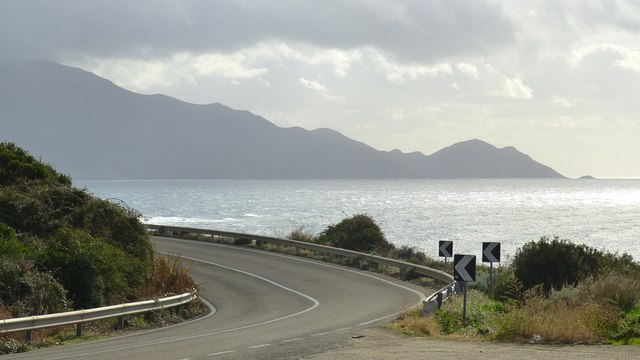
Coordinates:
(446,248)
(464,268)
(491,252)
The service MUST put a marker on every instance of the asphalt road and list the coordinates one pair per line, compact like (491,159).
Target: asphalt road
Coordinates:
(267,306)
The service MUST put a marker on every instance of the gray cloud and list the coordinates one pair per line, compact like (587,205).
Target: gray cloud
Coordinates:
(408,30)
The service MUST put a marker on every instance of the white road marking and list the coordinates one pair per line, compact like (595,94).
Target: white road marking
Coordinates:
(291,340)
(222,353)
(343,329)
(259,346)
(322,333)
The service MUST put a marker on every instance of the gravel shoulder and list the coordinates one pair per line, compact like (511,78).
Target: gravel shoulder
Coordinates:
(379,343)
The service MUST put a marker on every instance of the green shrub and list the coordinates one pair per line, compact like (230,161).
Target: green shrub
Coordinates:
(94,272)
(358,233)
(12,346)
(116,224)
(17,165)
(628,329)
(9,244)
(483,314)
(27,291)
(555,263)
(242,241)
(40,208)
(410,254)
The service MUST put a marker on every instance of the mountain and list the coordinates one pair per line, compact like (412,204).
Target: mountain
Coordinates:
(475,159)
(92,129)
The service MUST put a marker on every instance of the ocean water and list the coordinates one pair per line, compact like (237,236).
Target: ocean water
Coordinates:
(604,214)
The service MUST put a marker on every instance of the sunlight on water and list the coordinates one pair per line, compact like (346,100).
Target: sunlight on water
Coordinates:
(603,213)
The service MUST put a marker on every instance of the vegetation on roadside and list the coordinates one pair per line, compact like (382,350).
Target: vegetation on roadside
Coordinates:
(553,291)
(61,248)
(546,294)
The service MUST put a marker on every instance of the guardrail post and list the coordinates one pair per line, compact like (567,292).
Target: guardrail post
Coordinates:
(458,289)
(120,325)
(78,329)
(439,300)
(29,337)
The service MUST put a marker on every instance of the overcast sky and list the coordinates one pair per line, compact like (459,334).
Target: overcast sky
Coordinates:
(559,80)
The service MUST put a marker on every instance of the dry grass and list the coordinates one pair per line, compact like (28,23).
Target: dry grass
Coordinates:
(623,291)
(169,278)
(559,321)
(411,322)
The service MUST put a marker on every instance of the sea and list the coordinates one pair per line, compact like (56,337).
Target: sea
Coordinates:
(604,214)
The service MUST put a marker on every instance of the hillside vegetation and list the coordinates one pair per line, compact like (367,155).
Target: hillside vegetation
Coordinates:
(61,248)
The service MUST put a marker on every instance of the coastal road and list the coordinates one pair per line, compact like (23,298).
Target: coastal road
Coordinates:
(267,306)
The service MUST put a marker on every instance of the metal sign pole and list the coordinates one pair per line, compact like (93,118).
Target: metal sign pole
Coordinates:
(464,304)
(491,272)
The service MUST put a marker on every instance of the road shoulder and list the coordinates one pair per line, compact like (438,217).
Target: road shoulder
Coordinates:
(380,343)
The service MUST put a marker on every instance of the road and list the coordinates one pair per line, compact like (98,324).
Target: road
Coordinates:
(267,306)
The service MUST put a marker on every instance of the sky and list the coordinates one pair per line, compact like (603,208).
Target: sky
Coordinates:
(559,80)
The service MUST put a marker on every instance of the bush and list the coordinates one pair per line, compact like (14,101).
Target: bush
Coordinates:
(169,278)
(12,346)
(40,208)
(9,244)
(98,250)
(94,272)
(17,165)
(623,291)
(410,254)
(28,291)
(358,233)
(555,263)
(301,234)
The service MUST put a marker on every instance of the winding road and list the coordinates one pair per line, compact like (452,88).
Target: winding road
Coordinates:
(264,305)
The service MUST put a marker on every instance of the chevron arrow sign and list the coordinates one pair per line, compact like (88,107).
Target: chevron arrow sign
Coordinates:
(464,268)
(446,249)
(491,252)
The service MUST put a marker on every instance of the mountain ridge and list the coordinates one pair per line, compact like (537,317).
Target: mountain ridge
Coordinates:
(92,129)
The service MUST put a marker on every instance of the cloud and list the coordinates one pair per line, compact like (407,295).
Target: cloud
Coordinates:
(515,88)
(468,69)
(313,85)
(623,57)
(399,73)
(142,75)
(408,30)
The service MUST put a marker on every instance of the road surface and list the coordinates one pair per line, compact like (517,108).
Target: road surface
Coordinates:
(267,306)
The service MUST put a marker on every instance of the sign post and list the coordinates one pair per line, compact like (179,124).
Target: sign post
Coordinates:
(445,249)
(490,254)
(464,270)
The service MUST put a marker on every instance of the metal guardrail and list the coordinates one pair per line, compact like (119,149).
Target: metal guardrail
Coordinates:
(79,317)
(418,269)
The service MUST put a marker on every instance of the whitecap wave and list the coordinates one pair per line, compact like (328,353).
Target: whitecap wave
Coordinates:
(179,220)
